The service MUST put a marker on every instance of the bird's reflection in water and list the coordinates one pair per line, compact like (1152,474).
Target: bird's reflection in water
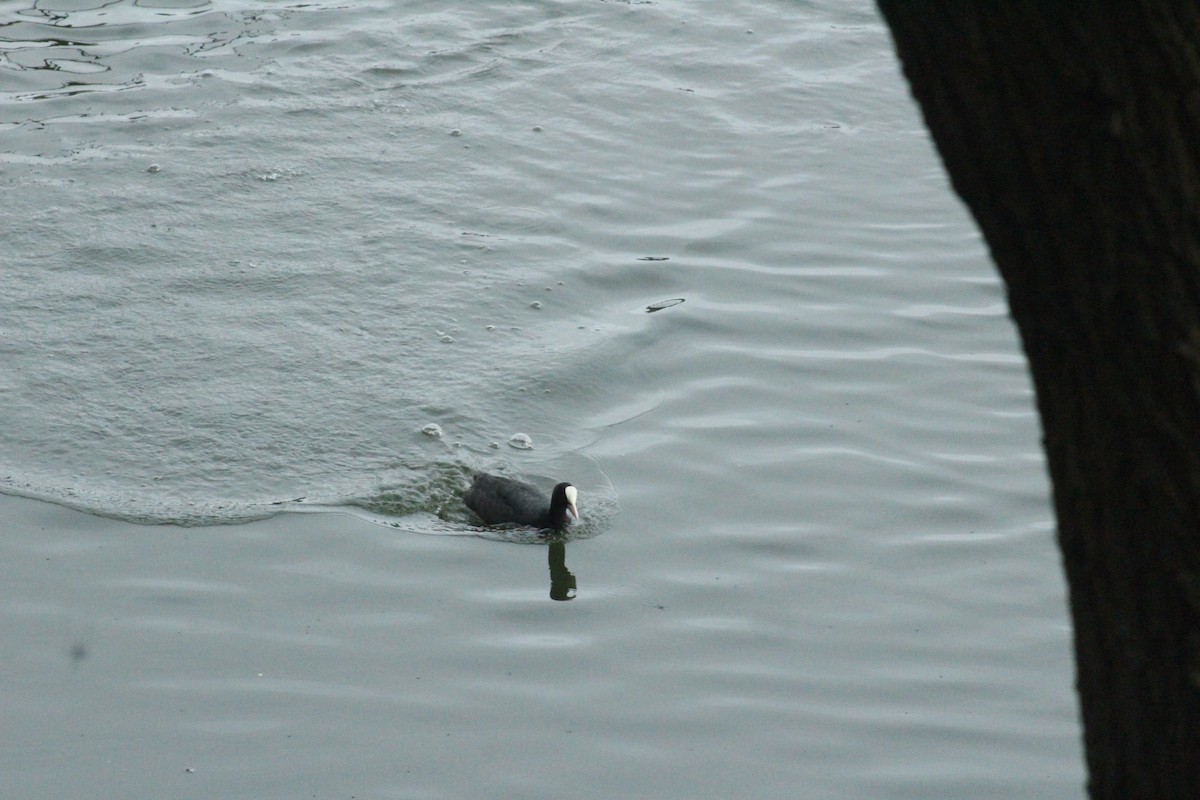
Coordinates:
(562,582)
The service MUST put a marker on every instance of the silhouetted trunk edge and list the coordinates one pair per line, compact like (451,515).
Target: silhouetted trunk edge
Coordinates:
(1072,133)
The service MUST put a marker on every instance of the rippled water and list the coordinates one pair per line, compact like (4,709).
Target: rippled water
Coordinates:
(251,252)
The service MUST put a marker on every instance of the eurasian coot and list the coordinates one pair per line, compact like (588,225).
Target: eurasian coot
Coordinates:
(497,500)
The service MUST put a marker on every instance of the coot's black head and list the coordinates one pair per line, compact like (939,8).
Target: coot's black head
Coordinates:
(562,506)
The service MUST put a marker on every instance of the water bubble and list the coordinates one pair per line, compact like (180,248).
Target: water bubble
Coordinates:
(536,304)
(154,168)
(432,429)
(455,132)
(491,327)
(447,340)
(537,128)
(494,445)
(521,441)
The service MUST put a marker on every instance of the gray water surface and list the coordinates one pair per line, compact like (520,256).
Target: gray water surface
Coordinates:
(251,250)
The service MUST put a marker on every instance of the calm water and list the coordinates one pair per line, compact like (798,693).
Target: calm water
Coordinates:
(250,251)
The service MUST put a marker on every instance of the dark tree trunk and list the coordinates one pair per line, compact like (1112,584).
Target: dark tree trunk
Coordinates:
(1072,132)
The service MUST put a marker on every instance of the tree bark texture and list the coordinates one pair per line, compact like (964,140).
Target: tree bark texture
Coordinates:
(1072,132)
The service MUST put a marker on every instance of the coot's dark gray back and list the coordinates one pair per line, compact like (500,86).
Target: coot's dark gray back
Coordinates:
(497,500)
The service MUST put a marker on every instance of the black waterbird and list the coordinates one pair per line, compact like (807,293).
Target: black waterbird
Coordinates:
(497,500)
